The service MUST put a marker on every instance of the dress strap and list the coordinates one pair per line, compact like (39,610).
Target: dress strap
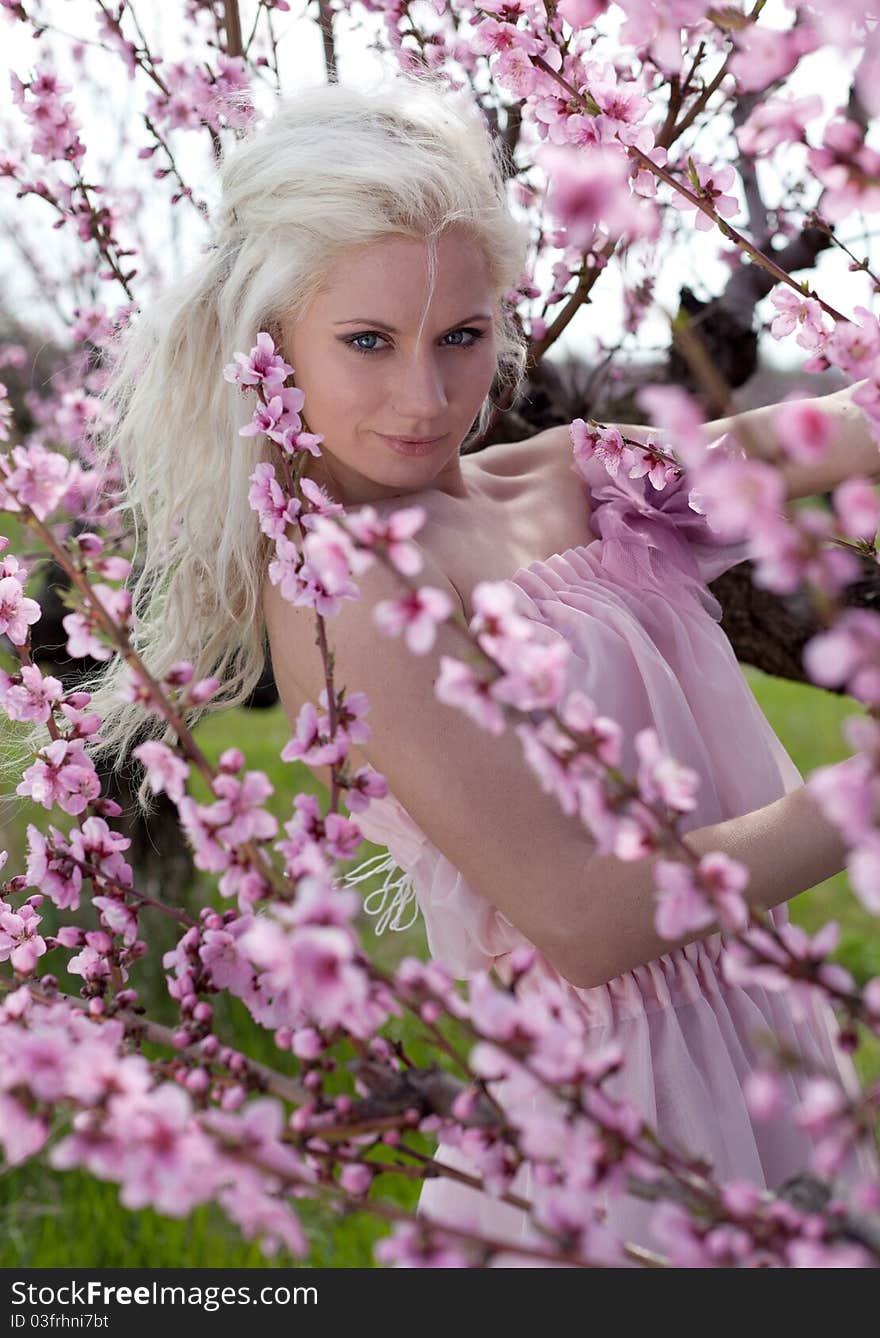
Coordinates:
(402,888)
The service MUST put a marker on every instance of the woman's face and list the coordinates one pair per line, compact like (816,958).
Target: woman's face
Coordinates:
(368,374)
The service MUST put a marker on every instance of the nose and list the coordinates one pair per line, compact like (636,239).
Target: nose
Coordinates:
(418,392)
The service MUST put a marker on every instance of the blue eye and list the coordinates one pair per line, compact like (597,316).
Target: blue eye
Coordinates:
(355,345)
(352,340)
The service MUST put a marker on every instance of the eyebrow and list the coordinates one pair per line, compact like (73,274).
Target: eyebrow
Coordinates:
(380,325)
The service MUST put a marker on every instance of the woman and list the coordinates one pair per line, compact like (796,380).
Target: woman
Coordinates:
(370,235)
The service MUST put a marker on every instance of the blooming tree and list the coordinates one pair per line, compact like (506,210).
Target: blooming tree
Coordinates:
(602,105)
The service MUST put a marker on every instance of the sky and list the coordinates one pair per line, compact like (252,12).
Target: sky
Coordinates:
(176,235)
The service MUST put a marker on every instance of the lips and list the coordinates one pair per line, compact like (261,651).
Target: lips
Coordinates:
(410,441)
(407,446)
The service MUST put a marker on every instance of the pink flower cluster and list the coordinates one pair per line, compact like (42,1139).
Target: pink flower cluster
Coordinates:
(55,130)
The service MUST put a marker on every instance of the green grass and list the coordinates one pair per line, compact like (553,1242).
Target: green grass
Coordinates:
(52,1218)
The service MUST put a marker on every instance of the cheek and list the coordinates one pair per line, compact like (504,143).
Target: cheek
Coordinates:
(330,383)
(483,365)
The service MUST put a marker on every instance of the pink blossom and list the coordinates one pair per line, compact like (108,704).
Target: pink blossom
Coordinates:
(714,182)
(496,621)
(740,1197)
(803,1253)
(40,1062)
(633,834)
(63,774)
(586,190)
(764,1094)
(649,461)
(51,868)
(416,614)
(189,101)
(723,880)
(661,777)
(91,324)
(356,1178)
(857,507)
(676,1235)
(535,675)
(797,309)
(38,479)
(55,130)
(165,770)
(118,917)
(407,1246)
(309,745)
(804,429)
(854,347)
(740,495)
(678,414)
(391,533)
(543,759)
(32,698)
(847,168)
(167,1162)
(91,964)
(765,55)
(789,552)
(17,611)
(847,654)
(21,1133)
(263,366)
(79,416)
(350,711)
(339,835)
(95,844)
(312,967)
(20,943)
(82,638)
(200,822)
(682,907)
(320,503)
(329,560)
(223,958)
(266,496)
(513,69)
(620,101)
(644,182)
(458,684)
(605,443)
(821,1104)
(580,13)
(867,397)
(489,36)
(845,795)
(279,418)
(239,808)
(863,867)
(776,121)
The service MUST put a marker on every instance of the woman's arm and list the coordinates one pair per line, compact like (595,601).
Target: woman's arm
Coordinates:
(852,451)
(787,846)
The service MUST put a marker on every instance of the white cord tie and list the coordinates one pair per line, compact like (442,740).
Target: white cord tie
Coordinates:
(402,888)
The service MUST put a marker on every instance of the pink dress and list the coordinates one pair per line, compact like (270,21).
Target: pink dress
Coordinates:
(648,649)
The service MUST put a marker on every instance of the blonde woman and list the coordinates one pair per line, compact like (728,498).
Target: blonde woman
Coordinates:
(369,233)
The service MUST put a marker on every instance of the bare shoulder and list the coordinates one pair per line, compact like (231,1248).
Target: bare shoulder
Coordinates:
(363,655)
(530,454)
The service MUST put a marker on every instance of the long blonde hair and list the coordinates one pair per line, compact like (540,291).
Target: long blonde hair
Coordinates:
(334,167)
